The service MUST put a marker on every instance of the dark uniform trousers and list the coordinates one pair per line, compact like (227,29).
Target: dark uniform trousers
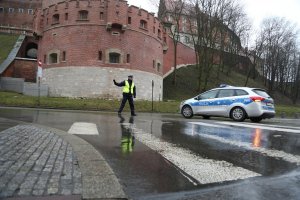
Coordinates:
(126,97)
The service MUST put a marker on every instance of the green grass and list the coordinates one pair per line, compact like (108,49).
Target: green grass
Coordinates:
(287,110)
(7,42)
(15,99)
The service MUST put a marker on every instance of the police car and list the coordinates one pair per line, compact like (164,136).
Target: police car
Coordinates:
(237,103)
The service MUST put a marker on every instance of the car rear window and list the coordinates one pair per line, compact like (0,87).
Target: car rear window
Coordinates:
(241,92)
(261,93)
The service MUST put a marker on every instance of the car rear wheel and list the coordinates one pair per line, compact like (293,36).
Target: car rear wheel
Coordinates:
(187,111)
(238,114)
(255,119)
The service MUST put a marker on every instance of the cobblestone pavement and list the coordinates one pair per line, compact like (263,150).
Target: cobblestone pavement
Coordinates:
(37,162)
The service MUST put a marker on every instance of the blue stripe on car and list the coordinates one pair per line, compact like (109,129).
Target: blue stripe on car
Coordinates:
(225,102)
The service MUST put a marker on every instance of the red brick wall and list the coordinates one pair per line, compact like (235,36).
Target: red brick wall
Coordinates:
(185,55)
(22,69)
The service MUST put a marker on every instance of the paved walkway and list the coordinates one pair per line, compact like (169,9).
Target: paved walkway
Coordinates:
(37,161)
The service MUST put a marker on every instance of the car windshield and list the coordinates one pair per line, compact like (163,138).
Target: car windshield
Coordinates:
(261,93)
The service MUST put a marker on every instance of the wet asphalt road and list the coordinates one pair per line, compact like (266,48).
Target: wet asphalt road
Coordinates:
(271,149)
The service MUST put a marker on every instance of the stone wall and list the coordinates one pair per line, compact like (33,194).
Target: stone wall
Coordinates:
(97,82)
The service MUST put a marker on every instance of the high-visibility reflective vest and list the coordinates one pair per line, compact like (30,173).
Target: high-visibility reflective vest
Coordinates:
(127,89)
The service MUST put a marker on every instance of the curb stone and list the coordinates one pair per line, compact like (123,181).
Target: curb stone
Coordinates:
(98,179)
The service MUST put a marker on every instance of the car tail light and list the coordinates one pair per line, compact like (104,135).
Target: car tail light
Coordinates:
(257,99)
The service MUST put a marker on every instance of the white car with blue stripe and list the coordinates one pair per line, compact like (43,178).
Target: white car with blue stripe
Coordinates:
(238,103)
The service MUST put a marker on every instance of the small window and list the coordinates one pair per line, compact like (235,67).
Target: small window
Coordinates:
(55,19)
(158,67)
(115,33)
(11,10)
(159,33)
(128,58)
(114,58)
(83,15)
(129,20)
(30,11)
(47,21)
(53,58)
(66,16)
(1,10)
(240,92)
(225,93)
(143,24)
(99,55)
(45,59)
(153,63)
(21,10)
(64,56)
(154,29)
(101,15)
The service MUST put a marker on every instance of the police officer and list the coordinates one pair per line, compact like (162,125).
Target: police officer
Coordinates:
(129,91)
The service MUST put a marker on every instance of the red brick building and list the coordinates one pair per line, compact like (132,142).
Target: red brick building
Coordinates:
(16,16)
(85,44)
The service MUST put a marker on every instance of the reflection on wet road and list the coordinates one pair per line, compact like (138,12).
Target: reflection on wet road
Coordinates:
(153,154)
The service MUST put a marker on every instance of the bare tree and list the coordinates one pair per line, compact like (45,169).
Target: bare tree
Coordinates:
(171,12)
(219,24)
(278,40)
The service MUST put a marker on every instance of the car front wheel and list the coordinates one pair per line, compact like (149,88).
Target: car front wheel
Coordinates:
(187,111)
(238,114)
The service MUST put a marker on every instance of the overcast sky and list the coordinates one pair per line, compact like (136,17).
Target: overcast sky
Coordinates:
(257,10)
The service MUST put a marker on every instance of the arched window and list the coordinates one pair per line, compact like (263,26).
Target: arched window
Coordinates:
(158,67)
(53,58)
(83,15)
(114,57)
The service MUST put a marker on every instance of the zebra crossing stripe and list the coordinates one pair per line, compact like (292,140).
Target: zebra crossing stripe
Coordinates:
(201,169)
(83,128)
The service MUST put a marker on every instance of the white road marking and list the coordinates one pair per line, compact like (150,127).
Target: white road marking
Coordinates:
(278,126)
(211,125)
(83,128)
(260,126)
(269,152)
(203,170)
